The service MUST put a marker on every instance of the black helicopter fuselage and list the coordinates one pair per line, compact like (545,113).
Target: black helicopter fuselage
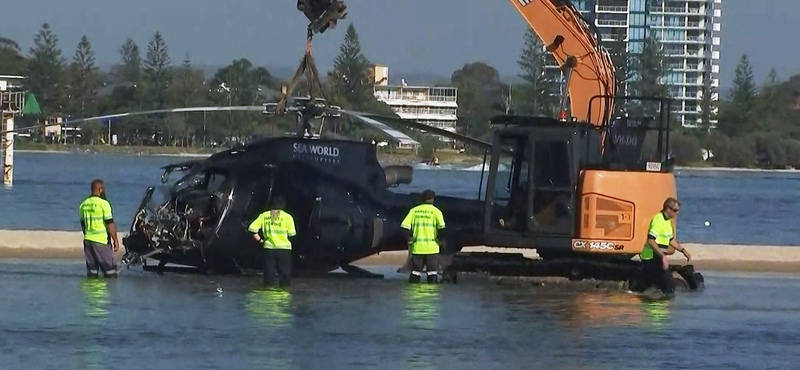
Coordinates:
(336,190)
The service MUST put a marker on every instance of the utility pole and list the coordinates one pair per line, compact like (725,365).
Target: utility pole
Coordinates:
(10,104)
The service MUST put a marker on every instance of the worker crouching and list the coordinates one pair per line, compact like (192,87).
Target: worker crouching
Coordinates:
(273,229)
(425,224)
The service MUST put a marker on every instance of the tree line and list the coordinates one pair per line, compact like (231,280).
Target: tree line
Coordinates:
(754,125)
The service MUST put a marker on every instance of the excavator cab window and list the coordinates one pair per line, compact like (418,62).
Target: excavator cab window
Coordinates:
(531,189)
(509,193)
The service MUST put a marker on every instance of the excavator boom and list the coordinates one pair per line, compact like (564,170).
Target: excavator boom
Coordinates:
(571,40)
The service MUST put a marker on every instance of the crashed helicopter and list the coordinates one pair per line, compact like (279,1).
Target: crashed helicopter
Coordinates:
(577,189)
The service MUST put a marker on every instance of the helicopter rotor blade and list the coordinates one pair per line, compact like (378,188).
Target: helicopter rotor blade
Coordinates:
(252,108)
(387,120)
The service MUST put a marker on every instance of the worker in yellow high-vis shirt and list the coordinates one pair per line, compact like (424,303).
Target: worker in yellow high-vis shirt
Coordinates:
(273,229)
(424,223)
(97,224)
(660,237)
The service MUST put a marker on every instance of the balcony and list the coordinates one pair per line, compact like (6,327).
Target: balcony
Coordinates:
(669,10)
(612,22)
(611,9)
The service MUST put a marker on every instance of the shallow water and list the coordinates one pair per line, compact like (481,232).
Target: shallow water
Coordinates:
(52,317)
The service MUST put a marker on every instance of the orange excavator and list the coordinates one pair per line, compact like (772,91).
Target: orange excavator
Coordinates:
(581,188)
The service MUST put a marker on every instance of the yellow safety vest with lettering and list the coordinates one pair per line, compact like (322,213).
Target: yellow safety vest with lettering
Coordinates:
(276,231)
(424,221)
(94,212)
(661,229)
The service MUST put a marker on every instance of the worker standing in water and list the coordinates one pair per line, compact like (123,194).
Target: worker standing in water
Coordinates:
(273,229)
(97,224)
(660,237)
(424,223)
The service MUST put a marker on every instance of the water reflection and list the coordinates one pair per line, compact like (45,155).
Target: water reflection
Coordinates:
(95,302)
(95,293)
(422,305)
(270,306)
(657,312)
(421,312)
(271,309)
(615,309)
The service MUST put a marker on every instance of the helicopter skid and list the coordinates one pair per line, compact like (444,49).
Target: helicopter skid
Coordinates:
(515,265)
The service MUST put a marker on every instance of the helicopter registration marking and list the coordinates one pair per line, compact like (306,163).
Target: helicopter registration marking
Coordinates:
(598,245)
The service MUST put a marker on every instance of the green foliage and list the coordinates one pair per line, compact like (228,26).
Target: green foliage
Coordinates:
(758,125)
(350,78)
(624,68)
(684,148)
(11,61)
(737,118)
(156,72)
(84,81)
(480,96)
(650,69)
(537,91)
(46,71)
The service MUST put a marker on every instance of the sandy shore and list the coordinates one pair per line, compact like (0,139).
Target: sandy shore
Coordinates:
(35,244)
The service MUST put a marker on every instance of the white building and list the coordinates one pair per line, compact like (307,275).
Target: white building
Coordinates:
(434,106)
(689,34)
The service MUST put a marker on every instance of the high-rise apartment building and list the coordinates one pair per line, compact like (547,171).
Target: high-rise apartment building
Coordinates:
(688,32)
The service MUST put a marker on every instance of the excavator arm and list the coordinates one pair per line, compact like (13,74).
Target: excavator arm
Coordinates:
(575,44)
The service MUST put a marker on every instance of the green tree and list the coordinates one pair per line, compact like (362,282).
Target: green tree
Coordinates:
(537,91)
(350,77)
(46,71)
(623,70)
(130,67)
(186,90)
(737,117)
(708,105)
(157,72)
(480,96)
(772,106)
(650,69)
(11,61)
(84,81)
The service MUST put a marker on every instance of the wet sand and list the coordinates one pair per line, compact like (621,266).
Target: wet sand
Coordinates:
(47,244)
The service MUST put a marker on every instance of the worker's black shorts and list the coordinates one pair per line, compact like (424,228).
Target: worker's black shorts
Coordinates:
(277,261)
(429,261)
(654,273)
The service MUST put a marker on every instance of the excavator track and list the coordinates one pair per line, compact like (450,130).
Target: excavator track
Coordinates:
(622,271)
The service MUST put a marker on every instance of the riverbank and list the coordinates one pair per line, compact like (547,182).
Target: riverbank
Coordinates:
(41,244)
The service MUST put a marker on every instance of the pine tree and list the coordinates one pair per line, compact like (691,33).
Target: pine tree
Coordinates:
(156,72)
(84,80)
(130,68)
(46,71)
(538,88)
(707,106)
(650,69)
(623,71)
(350,77)
(738,117)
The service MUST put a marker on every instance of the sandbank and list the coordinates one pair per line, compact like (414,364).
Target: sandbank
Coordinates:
(50,244)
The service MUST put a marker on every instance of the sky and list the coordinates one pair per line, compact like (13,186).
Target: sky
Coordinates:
(412,36)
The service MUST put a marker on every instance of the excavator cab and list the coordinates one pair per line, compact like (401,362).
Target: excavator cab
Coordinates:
(556,186)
